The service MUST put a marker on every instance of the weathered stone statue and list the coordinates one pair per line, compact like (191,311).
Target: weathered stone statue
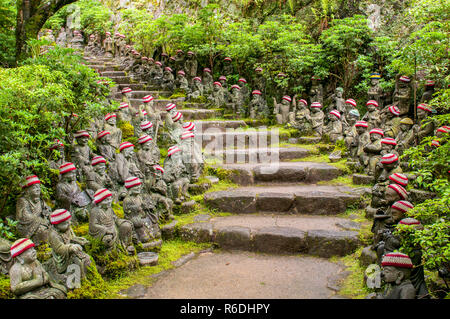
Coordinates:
(259,82)
(149,153)
(317,117)
(402,94)
(423,129)
(67,249)
(217,97)
(228,68)
(156,75)
(316,92)
(110,126)
(396,273)
(181,82)
(372,151)
(406,136)
(91,46)
(179,60)
(207,81)
(281,110)
(81,153)
(57,156)
(168,80)
(139,210)
(362,139)
(226,94)
(197,89)
(245,91)
(77,41)
(192,156)
(32,212)
(334,127)
(61,40)
(191,65)
(350,132)
(106,226)
(373,116)
(375,91)
(124,112)
(429,91)
(98,177)
(108,45)
(388,165)
(5,256)
(237,102)
(338,103)
(392,121)
(28,278)
(127,164)
(300,117)
(176,175)
(157,187)
(258,108)
(175,127)
(70,196)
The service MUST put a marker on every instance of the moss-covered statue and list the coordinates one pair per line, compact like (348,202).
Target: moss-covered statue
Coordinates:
(70,196)
(82,154)
(174,127)
(429,91)
(334,127)
(196,88)
(192,155)
(156,74)
(373,115)
(350,131)
(216,98)
(67,249)
(316,92)
(228,68)
(106,226)
(300,117)
(149,153)
(402,94)
(28,278)
(226,93)
(190,65)
(168,80)
(245,90)
(396,273)
(139,209)
(5,256)
(361,140)
(281,110)
(207,81)
(237,101)
(372,151)
(338,103)
(181,82)
(375,92)
(259,81)
(406,137)
(155,185)
(258,108)
(108,45)
(317,117)
(32,212)
(127,163)
(423,128)
(176,175)
(111,127)
(98,177)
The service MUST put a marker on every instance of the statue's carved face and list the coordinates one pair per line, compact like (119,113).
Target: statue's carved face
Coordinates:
(391,274)
(82,141)
(34,191)
(29,255)
(421,114)
(361,130)
(405,127)
(147,146)
(128,152)
(69,176)
(106,203)
(135,190)
(100,168)
(386,147)
(63,227)
(371,108)
(374,82)
(375,137)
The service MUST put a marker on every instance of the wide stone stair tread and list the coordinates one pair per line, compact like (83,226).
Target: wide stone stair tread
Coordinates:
(219,139)
(280,172)
(133,86)
(270,233)
(297,199)
(257,155)
(113,73)
(202,126)
(139,94)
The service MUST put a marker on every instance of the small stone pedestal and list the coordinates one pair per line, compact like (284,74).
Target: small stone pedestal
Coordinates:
(148,258)
(360,179)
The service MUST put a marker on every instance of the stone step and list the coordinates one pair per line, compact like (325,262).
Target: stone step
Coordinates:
(268,233)
(113,73)
(191,105)
(199,114)
(133,86)
(218,139)
(202,126)
(280,172)
(295,199)
(121,79)
(257,155)
(102,68)
(139,94)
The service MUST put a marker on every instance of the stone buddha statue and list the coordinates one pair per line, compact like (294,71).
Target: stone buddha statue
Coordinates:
(259,82)
(334,127)
(372,151)
(190,65)
(228,68)
(258,108)
(176,175)
(81,153)
(217,98)
(28,278)
(429,91)
(373,115)
(196,89)
(406,136)
(168,80)
(423,129)
(181,82)
(363,138)
(127,164)
(191,155)
(148,154)
(5,256)
(237,100)
(207,81)
(402,94)
(317,117)
(155,185)
(98,177)
(392,121)
(375,91)
(281,110)
(32,212)
(108,45)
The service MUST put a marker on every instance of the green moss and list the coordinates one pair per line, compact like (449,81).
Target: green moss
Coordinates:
(127,130)
(44,252)
(200,99)
(81,230)
(118,210)
(177,94)
(5,288)
(92,287)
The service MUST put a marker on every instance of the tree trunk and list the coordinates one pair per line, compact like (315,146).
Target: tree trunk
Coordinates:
(31,16)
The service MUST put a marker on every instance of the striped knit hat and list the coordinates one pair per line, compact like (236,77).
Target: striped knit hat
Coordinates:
(97,160)
(109,115)
(181,72)
(187,134)
(197,78)
(180,51)
(234,86)
(31,180)
(158,63)
(145,125)
(281,75)
(207,70)
(435,143)
(123,105)
(172,58)
(217,83)
(101,194)
(336,113)
(409,221)
(287,98)
(81,133)
(168,69)
(399,190)
(147,98)
(189,126)
(227,59)
(400,179)
(58,143)
(144,58)
(132,181)
(158,168)
(351,102)
(172,150)
(102,134)
(126,90)
(389,140)
(361,124)
(256,92)
(170,106)
(443,129)
(394,110)
(402,205)
(144,139)
(405,79)
(389,159)
(316,78)
(222,78)
(108,33)
(66,167)
(125,145)
(375,76)
(424,107)
(190,53)
(377,131)
(258,69)
(397,260)
(316,105)
(429,83)
(20,245)
(59,216)
(242,80)
(177,116)
(372,102)
(303,101)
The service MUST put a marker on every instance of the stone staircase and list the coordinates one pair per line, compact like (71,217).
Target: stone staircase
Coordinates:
(278,207)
